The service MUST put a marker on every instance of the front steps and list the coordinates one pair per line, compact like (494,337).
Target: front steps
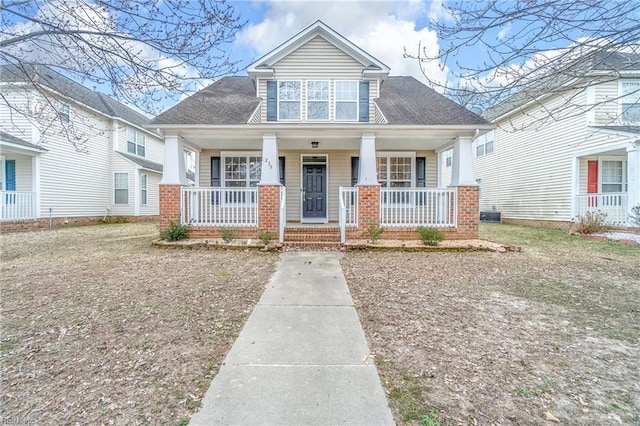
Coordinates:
(311,236)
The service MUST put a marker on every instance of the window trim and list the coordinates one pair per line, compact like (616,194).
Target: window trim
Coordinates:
(137,135)
(336,100)
(448,158)
(328,101)
(482,141)
(624,184)
(622,96)
(115,188)
(278,101)
(144,189)
(223,178)
(64,112)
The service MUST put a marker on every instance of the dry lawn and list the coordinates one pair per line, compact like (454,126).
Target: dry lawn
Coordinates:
(99,327)
(505,339)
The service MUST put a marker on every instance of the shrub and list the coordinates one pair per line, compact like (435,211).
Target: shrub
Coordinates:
(115,219)
(265,236)
(373,232)
(227,235)
(591,222)
(430,236)
(175,232)
(635,215)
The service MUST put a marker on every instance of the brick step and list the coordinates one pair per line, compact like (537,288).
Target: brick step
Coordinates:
(311,237)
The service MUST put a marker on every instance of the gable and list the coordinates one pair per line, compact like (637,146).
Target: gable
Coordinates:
(318,58)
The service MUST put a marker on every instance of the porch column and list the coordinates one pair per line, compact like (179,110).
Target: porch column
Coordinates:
(462,162)
(174,176)
(367,174)
(269,187)
(633,174)
(35,184)
(462,177)
(368,186)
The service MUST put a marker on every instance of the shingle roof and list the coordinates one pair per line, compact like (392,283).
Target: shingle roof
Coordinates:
(596,62)
(230,100)
(149,165)
(403,101)
(47,78)
(17,141)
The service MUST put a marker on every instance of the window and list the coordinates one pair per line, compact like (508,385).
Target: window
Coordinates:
(136,142)
(289,100)
(484,144)
(394,172)
(63,112)
(121,188)
(242,171)
(143,189)
(317,100)
(614,176)
(448,158)
(630,101)
(346,100)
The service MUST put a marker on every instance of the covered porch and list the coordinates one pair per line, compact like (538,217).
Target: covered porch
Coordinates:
(19,179)
(340,181)
(608,181)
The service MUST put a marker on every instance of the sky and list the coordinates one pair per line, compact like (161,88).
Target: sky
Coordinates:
(384,29)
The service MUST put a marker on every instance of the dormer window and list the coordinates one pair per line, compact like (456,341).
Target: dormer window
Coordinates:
(289,100)
(346,100)
(317,100)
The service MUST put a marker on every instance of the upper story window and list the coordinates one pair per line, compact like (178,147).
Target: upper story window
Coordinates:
(484,144)
(63,112)
(630,101)
(289,100)
(346,100)
(317,100)
(136,142)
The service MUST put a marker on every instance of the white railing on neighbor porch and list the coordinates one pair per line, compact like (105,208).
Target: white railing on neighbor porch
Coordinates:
(16,205)
(613,204)
(348,210)
(401,207)
(219,206)
(283,212)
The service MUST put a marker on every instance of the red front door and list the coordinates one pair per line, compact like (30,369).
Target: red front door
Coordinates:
(592,182)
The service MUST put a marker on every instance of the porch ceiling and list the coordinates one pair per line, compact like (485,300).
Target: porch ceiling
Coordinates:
(346,137)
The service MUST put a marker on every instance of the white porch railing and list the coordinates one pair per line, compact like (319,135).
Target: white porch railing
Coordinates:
(219,206)
(348,210)
(613,204)
(283,212)
(16,205)
(401,207)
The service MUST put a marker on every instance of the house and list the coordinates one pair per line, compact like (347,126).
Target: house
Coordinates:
(318,136)
(555,156)
(72,155)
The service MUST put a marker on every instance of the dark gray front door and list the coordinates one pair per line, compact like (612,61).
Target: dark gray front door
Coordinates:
(314,179)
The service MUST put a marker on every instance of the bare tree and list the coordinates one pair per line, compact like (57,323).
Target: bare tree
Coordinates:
(142,52)
(532,48)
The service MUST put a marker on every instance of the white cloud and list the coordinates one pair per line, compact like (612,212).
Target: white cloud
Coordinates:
(383,29)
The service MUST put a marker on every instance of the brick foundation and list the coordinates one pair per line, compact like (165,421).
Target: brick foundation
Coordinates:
(65,222)
(269,208)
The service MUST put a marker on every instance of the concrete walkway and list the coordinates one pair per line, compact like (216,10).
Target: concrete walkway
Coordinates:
(301,357)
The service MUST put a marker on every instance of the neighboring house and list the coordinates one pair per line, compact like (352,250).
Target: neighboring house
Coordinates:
(554,157)
(319,133)
(74,155)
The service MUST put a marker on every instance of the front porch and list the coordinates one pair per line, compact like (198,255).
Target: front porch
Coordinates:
(608,181)
(250,193)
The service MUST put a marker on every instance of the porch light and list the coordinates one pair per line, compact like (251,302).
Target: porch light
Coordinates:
(315,144)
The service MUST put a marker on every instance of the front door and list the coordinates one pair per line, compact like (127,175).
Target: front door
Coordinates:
(314,189)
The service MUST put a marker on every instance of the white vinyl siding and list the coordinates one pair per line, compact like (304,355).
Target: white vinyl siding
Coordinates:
(530,174)
(607,105)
